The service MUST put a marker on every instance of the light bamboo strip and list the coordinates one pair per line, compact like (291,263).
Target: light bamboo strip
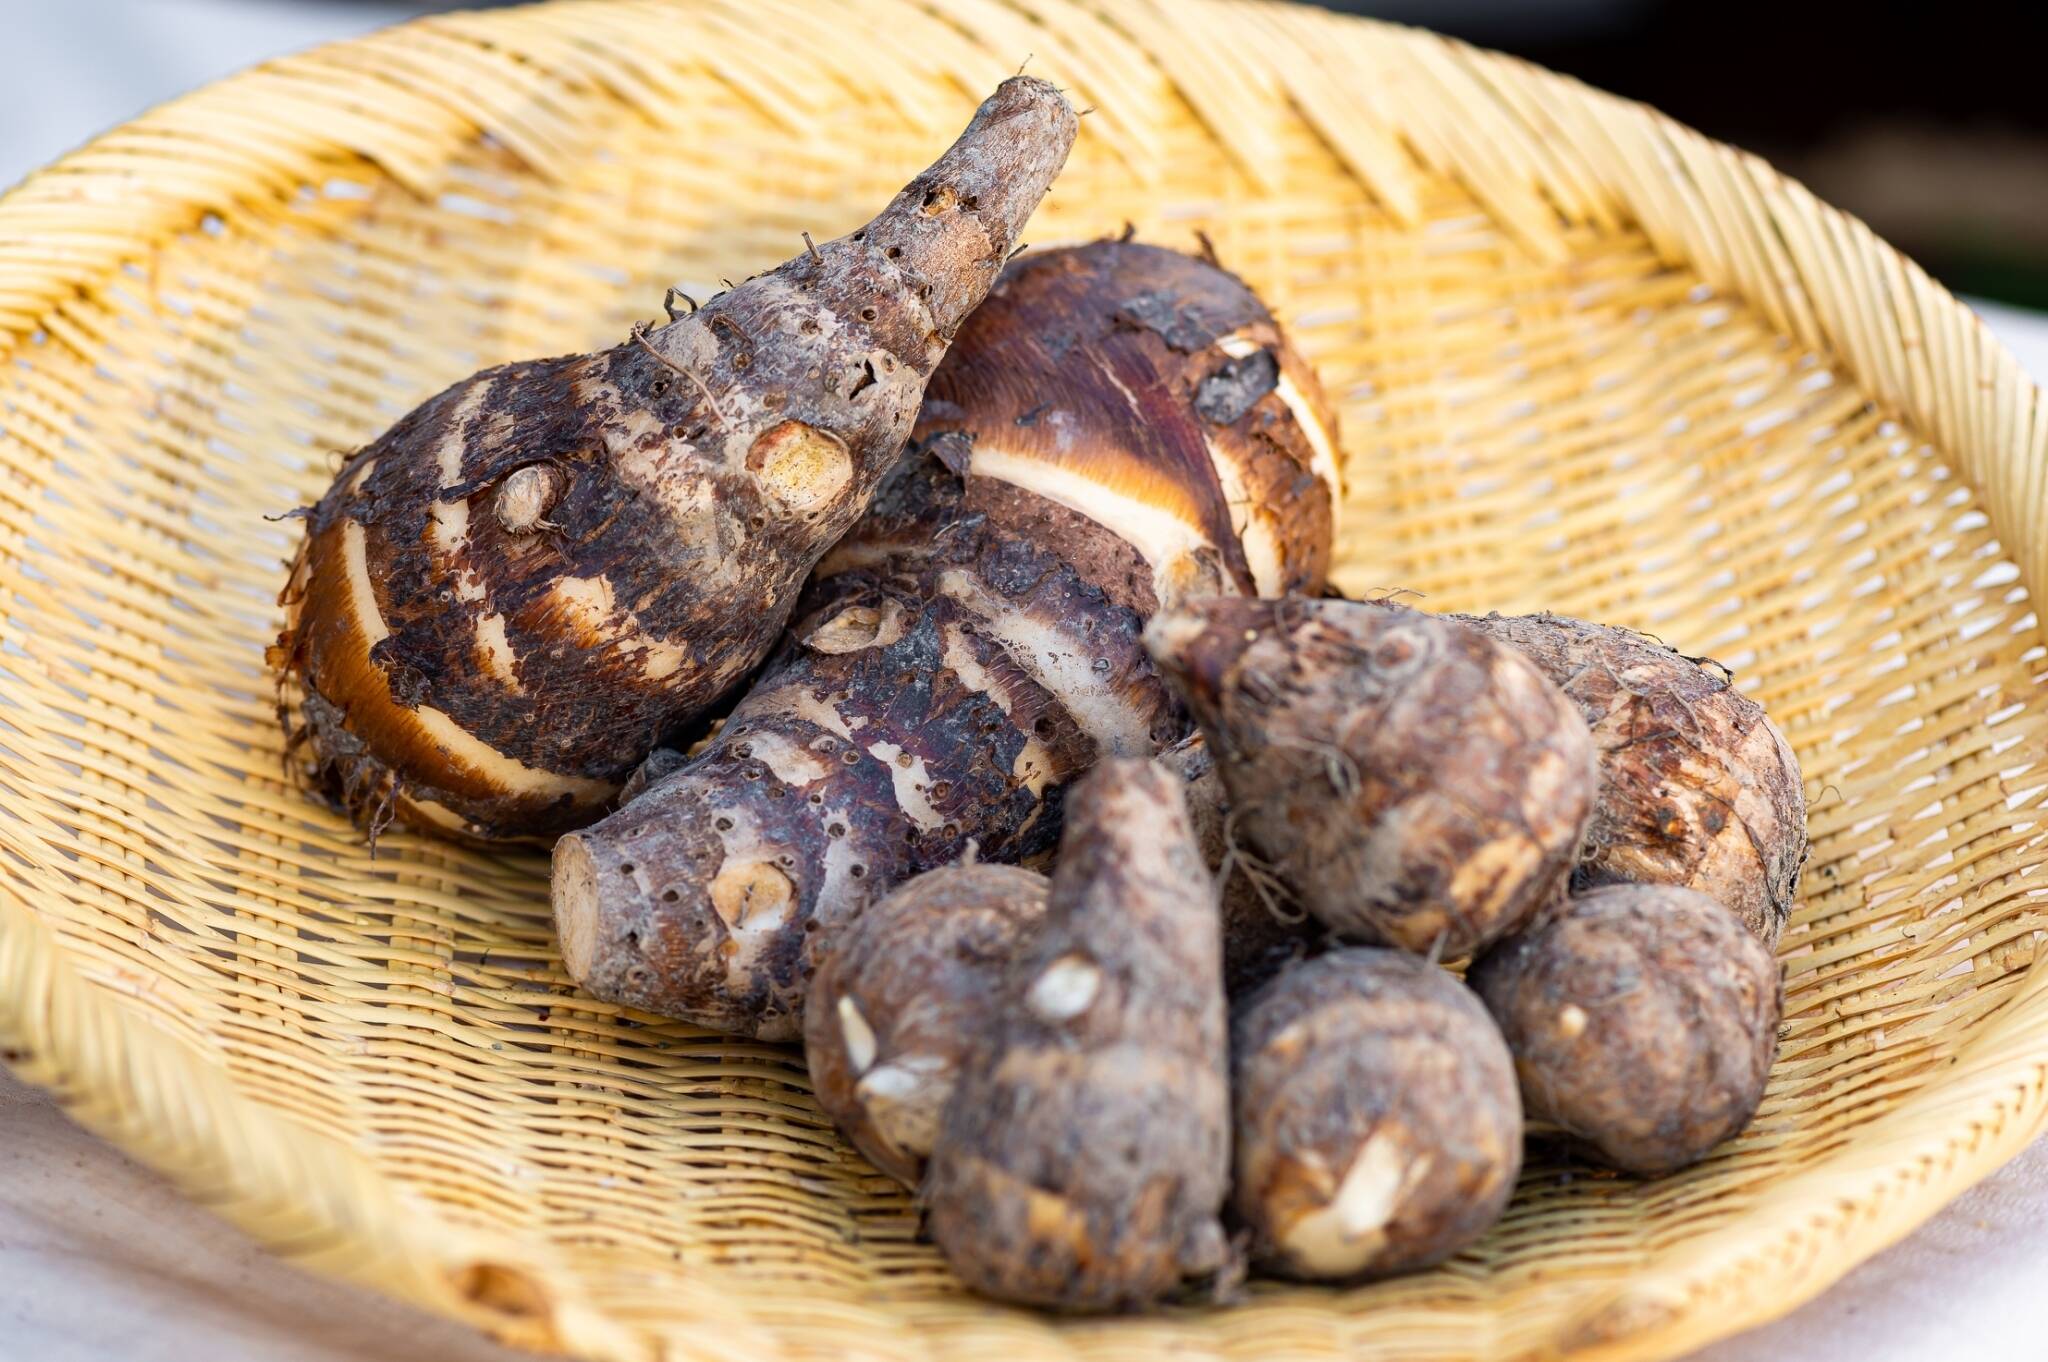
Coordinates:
(1585,360)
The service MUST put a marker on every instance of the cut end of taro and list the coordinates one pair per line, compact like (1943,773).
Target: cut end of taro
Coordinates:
(576,905)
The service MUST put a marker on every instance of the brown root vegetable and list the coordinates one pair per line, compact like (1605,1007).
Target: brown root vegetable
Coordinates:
(510,597)
(1264,930)
(1414,784)
(658,764)
(973,646)
(1698,787)
(1643,1020)
(1085,1155)
(907,988)
(1377,1124)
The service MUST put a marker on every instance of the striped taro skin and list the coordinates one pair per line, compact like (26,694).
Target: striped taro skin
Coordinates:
(1120,426)
(512,596)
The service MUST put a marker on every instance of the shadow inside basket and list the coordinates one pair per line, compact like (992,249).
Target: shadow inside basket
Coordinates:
(1603,436)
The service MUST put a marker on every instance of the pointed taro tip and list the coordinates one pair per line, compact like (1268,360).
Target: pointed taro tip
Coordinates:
(1024,92)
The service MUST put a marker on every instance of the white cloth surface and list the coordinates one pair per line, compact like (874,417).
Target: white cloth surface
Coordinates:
(93,64)
(1968,1285)
(100,1259)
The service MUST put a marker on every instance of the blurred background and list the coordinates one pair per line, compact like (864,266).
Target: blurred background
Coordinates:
(1924,119)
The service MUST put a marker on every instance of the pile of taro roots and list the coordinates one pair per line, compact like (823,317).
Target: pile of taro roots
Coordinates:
(923,650)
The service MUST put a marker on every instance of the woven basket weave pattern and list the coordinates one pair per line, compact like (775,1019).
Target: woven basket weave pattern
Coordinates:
(1585,360)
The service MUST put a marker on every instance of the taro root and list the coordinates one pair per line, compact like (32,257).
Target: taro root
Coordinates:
(1414,784)
(974,645)
(510,597)
(907,987)
(1643,1020)
(1085,1155)
(1264,931)
(1377,1124)
(1698,787)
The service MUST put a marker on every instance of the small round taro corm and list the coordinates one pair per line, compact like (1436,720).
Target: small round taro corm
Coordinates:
(1377,1124)
(1414,783)
(1643,1020)
(904,991)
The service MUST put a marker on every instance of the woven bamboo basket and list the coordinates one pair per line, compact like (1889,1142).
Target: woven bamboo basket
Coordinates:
(1586,359)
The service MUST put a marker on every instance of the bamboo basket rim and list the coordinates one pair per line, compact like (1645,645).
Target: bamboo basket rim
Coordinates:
(1489,122)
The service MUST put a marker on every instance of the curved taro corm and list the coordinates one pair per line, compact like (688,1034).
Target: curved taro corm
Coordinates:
(517,591)
(972,647)
(1413,783)
(1085,1156)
